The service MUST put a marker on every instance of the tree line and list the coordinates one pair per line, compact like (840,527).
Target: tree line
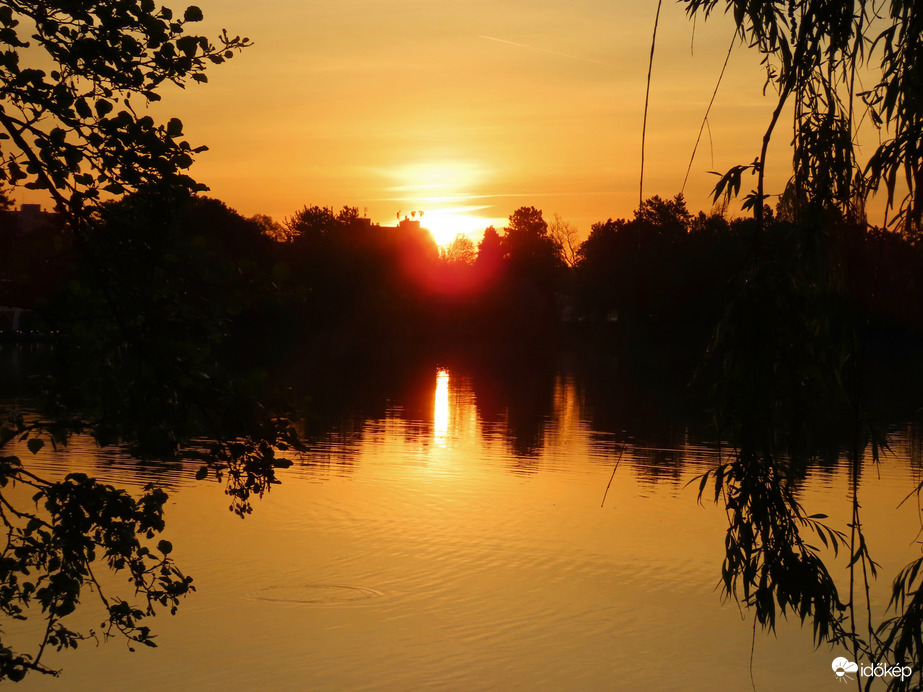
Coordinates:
(325,274)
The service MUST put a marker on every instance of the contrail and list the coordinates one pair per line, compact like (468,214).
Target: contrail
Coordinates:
(545,50)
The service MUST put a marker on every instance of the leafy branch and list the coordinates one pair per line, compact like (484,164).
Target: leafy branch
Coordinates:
(74,126)
(49,555)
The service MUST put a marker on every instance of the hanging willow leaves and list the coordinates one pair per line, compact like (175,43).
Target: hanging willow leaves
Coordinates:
(787,352)
(812,52)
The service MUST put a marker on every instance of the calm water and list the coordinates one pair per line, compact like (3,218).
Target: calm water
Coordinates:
(446,532)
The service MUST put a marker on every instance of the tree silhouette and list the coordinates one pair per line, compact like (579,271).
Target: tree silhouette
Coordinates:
(490,251)
(73,78)
(565,237)
(527,245)
(667,218)
(71,82)
(461,251)
(271,228)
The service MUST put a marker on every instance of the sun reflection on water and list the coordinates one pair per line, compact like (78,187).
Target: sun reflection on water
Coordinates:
(441,408)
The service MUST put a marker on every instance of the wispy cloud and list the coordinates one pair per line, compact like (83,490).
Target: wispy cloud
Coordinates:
(497,195)
(545,50)
(431,199)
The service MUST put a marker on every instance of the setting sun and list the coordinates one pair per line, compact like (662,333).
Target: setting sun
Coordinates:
(446,224)
(430,186)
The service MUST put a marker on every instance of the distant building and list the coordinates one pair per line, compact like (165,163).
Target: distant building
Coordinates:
(33,261)
(409,224)
(27,219)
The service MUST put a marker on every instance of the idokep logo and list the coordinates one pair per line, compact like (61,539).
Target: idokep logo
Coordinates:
(843,666)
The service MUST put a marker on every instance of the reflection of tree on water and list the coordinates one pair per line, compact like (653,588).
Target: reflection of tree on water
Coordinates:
(656,464)
(518,397)
(517,403)
(525,405)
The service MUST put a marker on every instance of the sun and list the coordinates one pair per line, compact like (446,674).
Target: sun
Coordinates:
(444,226)
(439,187)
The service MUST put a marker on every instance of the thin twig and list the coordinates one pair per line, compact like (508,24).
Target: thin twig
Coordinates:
(707,111)
(617,462)
(51,622)
(647,98)
(854,490)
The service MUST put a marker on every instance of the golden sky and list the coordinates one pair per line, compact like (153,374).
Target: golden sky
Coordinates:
(473,108)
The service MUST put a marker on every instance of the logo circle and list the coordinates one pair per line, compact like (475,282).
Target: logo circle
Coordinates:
(842,665)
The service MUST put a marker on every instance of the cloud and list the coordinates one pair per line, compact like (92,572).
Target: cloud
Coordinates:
(545,50)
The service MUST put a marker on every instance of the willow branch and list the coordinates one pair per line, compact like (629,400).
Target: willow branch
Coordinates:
(787,89)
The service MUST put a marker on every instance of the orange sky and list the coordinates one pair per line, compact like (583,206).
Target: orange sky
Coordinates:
(473,108)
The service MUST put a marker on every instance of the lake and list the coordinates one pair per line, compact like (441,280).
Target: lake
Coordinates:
(455,530)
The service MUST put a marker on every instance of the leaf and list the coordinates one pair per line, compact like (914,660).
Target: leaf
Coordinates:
(188,44)
(175,127)
(719,481)
(35,444)
(201,473)
(165,547)
(192,14)
(751,200)
(702,482)
(82,108)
